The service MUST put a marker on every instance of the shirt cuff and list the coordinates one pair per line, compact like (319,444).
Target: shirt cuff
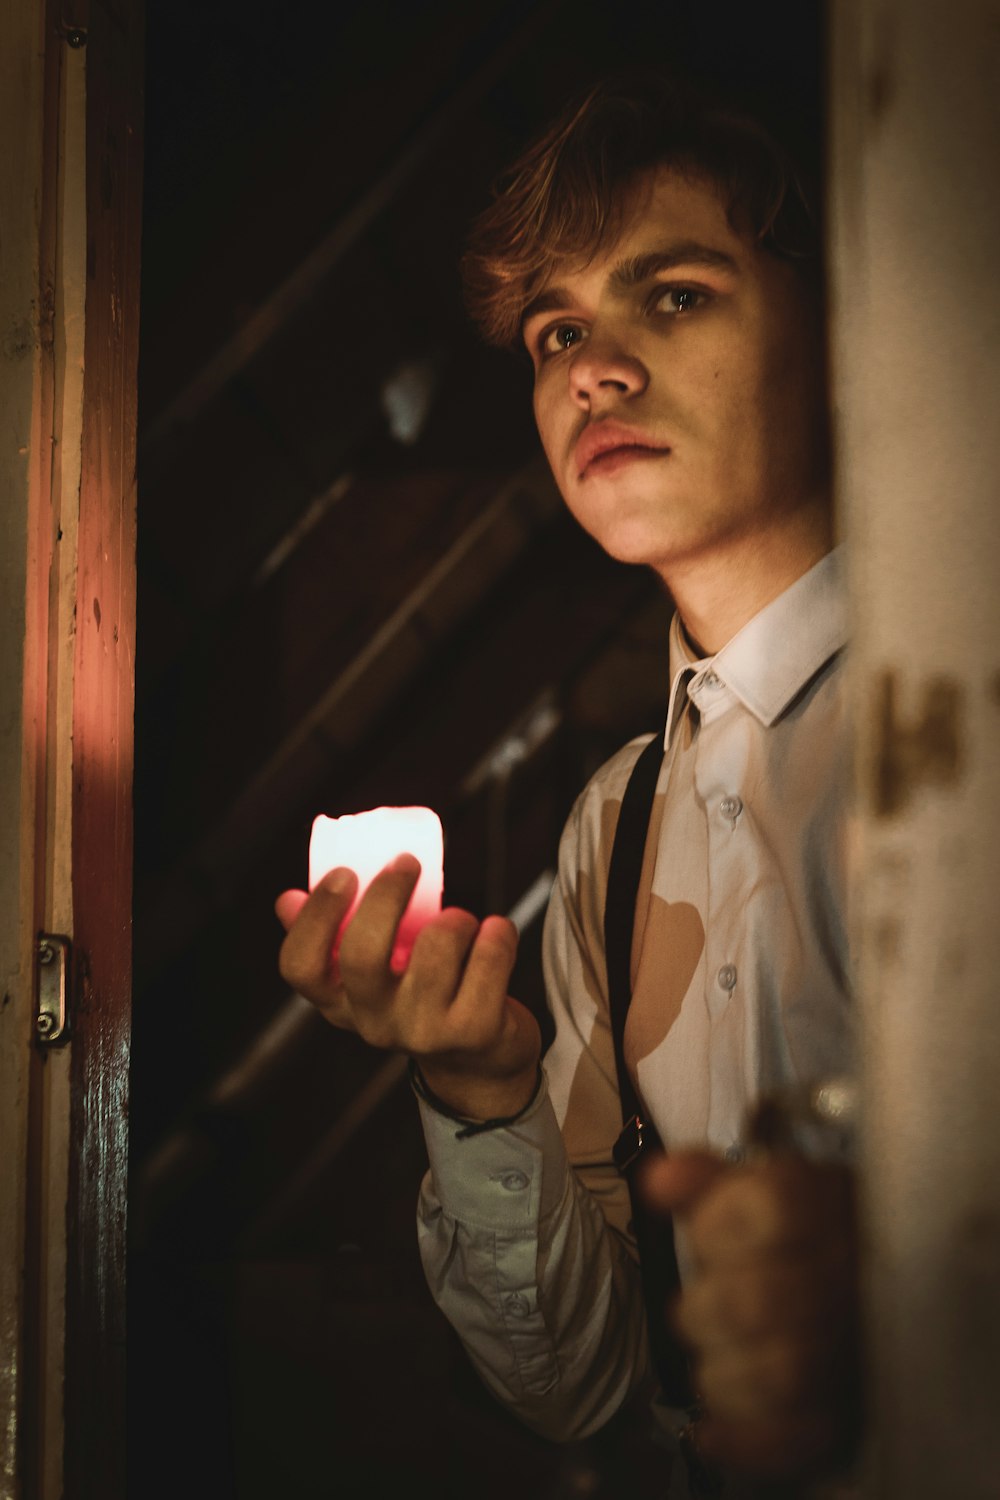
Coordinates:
(503,1180)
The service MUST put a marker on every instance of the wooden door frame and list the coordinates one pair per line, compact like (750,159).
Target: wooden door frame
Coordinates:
(71,98)
(102,754)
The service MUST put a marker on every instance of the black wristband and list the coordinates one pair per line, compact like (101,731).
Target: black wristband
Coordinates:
(469,1127)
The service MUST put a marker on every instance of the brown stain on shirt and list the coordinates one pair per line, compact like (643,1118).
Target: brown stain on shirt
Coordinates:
(673,943)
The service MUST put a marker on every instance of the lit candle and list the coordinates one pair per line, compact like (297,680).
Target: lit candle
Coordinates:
(366,842)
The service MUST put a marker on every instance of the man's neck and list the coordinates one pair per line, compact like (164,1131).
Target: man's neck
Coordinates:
(717,591)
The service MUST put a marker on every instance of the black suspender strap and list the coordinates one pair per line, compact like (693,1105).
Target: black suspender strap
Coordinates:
(620,901)
(654,1237)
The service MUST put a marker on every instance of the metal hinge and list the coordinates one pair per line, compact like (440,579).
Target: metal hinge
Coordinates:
(52,1017)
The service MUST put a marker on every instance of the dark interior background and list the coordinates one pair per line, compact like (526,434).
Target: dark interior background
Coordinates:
(356,587)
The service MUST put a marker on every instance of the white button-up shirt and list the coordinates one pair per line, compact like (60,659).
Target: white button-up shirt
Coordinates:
(740,987)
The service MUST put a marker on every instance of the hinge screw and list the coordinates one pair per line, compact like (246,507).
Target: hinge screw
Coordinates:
(46,953)
(43,1024)
(76,37)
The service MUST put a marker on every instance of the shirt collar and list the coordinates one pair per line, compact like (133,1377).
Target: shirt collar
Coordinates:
(769,661)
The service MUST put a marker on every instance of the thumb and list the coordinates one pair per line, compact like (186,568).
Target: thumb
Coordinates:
(675,1183)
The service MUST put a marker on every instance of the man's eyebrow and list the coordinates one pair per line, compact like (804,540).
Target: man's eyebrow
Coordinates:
(638,268)
(550,300)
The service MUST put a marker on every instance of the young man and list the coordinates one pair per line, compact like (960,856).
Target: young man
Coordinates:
(656,259)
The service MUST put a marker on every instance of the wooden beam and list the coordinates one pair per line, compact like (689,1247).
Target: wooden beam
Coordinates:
(303,282)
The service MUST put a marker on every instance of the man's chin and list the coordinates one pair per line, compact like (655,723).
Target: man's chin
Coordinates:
(640,529)
(658,548)
(640,549)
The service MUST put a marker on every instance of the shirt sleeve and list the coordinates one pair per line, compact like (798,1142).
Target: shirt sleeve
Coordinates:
(523,1230)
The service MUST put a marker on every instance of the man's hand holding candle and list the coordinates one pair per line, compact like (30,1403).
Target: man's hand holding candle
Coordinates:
(477,1048)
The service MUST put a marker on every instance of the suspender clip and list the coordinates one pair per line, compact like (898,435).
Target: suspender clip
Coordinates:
(628,1147)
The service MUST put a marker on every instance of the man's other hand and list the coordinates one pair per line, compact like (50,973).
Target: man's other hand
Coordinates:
(771,1311)
(477,1048)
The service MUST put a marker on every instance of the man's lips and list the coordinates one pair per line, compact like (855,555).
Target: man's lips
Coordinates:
(604,445)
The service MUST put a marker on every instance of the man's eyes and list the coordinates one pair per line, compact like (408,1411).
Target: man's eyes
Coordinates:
(559,337)
(677,299)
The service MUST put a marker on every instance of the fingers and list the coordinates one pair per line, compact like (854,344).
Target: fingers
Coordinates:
(449,1007)
(782,1401)
(778,1205)
(771,1312)
(306,959)
(675,1183)
(480,1012)
(778,1447)
(288,906)
(731,1212)
(425,994)
(762,1378)
(781,1405)
(483,1061)
(748,1302)
(366,949)
(454,993)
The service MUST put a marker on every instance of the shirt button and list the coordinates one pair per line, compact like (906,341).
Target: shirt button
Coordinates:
(734,1154)
(727,977)
(731,807)
(711,680)
(517,1305)
(514,1182)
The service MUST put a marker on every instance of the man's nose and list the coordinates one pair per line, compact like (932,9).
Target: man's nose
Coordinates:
(605,368)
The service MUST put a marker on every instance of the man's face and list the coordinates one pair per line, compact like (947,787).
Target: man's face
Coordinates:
(678,381)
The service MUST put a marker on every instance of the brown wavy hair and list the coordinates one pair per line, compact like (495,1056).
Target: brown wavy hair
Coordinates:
(563,197)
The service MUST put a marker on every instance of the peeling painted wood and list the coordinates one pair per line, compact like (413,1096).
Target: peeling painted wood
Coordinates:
(916,314)
(911,753)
